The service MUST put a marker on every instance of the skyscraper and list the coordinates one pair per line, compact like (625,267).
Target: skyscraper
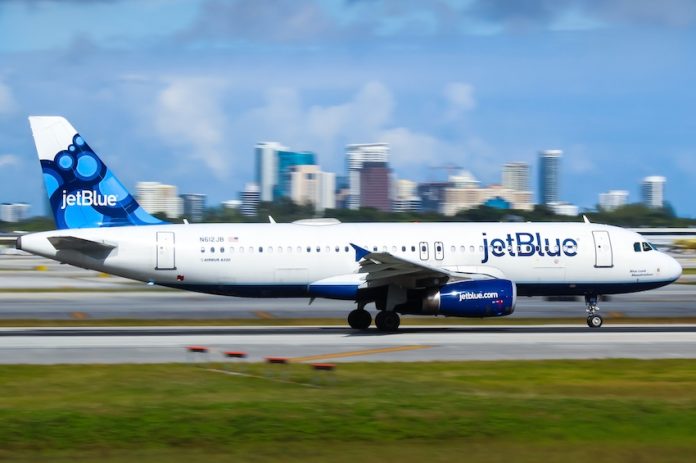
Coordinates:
(250,200)
(309,185)
(287,160)
(516,176)
(157,197)
(266,168)
(356,156)
(653,191)
(549,161)
(612,200)
(374,186)
(194,206)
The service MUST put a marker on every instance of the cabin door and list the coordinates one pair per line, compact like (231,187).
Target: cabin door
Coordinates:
(604,257)
(165,251)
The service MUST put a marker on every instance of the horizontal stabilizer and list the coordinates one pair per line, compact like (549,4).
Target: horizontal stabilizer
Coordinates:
(79,244)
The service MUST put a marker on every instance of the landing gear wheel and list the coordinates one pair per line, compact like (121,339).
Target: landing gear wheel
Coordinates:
(594,321)
(359,319)
(387,321)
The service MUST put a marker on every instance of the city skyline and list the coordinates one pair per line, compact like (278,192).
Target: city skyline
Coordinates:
(183,95)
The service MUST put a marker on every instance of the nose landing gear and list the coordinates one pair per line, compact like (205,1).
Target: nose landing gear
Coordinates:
(594,320)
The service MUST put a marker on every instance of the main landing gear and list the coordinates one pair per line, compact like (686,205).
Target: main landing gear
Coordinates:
(387,320)
(360,319)
(594,320)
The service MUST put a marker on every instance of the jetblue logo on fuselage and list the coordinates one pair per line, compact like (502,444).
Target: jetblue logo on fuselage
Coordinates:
(526,245)
(87,198)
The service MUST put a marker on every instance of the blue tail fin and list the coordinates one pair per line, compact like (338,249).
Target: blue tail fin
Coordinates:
(82,190)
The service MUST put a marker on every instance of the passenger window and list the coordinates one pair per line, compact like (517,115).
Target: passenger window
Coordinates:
(260,248)
(202,249)
(346,249)
(413,249)
(403,248)
(309,249)
(453,248)
(212,249)
(646,247)
(462,248)
(636,247)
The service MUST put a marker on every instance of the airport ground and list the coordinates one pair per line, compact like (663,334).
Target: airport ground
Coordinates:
(600,411)
(537,386)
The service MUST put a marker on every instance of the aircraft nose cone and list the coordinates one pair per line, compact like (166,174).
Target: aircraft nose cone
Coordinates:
(671,269)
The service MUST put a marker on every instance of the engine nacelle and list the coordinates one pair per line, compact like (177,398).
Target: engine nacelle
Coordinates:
(472,298)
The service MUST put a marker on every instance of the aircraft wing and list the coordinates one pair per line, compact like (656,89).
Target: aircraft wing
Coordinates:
(383,268)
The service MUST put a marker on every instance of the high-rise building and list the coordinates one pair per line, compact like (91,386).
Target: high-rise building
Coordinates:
(250,198)
(613,199)
(432,195)
(516,176)
(286,161)
(653,191)
(549,161)
(158,198)
(405,196)
(309,185)
(13,212)
(374,186)
(356,156)
(194,206)
(267,168)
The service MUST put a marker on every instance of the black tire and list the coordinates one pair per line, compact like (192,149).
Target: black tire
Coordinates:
(387,321)
(359,319)
(595,321)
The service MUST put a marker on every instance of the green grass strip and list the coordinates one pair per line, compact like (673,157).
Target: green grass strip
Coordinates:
(603,410)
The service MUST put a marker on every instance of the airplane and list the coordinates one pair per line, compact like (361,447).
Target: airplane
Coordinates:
(452,269)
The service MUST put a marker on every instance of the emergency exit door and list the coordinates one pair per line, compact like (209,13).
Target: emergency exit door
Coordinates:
(165,251)
(604,257)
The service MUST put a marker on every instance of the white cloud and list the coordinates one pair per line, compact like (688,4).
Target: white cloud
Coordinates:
(7,101)
(460,97)
(367,115)
(189,114)
(9,160)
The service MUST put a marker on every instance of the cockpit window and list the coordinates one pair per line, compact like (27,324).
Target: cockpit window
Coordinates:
(636,247)
(647,247)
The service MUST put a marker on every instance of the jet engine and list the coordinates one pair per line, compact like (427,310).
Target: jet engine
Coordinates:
(471,298)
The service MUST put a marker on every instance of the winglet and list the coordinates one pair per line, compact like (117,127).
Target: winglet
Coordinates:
(584,217)
(359,252)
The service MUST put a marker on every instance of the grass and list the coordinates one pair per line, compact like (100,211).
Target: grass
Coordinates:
(598,410)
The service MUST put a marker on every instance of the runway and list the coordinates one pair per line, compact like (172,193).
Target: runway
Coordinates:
(336,344)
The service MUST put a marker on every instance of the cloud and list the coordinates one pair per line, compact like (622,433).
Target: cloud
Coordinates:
(266,21)
(7,101)
(460,97)
(189,115)
(285,118)
(9,160)
(548,14)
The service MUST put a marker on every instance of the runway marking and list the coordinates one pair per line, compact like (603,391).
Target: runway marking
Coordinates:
(382,350)
(263,315)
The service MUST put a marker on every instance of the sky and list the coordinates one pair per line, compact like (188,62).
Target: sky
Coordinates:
(180,91)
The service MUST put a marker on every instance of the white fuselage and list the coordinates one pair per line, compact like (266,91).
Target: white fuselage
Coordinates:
(267,260)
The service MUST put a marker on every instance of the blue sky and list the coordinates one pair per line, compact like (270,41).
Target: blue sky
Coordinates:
(180,91)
